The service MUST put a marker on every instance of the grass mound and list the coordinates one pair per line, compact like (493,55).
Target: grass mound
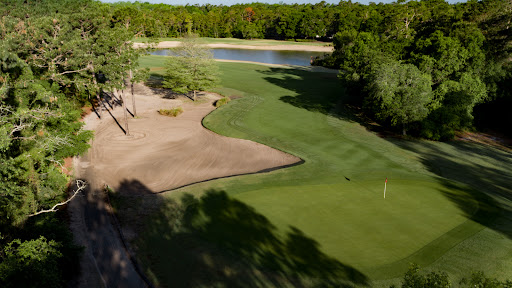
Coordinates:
(174,112)
(222,101)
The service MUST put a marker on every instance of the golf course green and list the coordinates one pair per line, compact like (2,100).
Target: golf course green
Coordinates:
(440,209)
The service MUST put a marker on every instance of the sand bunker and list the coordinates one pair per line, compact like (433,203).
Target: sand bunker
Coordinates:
(163,153)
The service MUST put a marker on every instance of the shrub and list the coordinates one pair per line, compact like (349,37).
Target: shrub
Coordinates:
(174,112)
(222,101)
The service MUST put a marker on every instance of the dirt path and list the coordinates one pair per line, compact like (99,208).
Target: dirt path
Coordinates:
(162,153)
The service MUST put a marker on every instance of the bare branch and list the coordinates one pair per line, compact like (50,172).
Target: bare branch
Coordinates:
(24,138)
(74,71)
(55,141)
(80,184)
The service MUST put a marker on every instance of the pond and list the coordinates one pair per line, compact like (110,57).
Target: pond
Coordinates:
(301,58)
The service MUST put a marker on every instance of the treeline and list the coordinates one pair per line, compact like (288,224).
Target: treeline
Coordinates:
(55,56)
(247,21)
(425,73)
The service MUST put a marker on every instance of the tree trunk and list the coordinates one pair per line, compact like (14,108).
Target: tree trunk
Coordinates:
(194,95)
(404,131)
(127,130)
(97,94)
(133,96)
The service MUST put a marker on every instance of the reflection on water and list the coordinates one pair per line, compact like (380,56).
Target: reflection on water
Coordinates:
(302,58)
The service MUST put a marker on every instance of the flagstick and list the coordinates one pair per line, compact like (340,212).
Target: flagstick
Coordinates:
(385,189)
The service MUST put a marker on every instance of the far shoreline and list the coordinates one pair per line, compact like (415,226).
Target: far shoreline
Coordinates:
(278,47)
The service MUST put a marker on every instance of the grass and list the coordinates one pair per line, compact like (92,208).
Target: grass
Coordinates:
(236,41)
(173,112)
(444,207)
(222,101)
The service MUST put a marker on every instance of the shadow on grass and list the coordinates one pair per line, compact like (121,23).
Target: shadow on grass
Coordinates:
(316,92)
(218,241)
(321,92)
(487,172)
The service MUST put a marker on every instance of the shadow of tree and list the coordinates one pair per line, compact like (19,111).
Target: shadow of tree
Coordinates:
(104,247)
(218,241)
(329,96)
(317,98)
(486,170)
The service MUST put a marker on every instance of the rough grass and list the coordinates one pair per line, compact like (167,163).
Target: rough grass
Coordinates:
(222,101)
(447,204)
(173,112)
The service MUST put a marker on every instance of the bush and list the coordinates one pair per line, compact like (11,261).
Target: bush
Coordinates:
(222,101)
(38,258)
(174,112)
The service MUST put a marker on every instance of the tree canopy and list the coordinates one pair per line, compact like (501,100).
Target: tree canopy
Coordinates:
(53,57)
(190,67)
(402,91)
(466,59)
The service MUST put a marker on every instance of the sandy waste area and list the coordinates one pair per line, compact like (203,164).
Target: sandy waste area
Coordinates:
(285,47)
(164,152)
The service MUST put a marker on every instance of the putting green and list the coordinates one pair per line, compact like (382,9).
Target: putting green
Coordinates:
(354,223)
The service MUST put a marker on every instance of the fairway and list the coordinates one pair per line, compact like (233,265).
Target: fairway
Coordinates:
(336,196)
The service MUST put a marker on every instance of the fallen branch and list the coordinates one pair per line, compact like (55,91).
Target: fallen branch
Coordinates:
(80,184)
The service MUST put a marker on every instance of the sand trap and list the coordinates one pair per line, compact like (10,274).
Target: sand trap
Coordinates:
(164,153)
(283,47)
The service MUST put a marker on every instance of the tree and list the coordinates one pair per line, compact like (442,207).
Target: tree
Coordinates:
(478,279)
(191,67)
(249,30)
(37,258)
(454,111)
(413,279)
(401,93)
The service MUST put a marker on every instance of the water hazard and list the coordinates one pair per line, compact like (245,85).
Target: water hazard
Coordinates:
(302,58)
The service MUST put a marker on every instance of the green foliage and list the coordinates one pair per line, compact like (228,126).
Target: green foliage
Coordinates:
(479,280)
(457,100)
(54,55)
(191,67)
(222,101)
(451,43)
(359,54)
(400,92)
(174,112)
(250,31)
(31,263)
(413,279)
(259,20)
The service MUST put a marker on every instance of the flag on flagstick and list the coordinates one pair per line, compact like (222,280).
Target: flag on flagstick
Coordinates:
(385,183)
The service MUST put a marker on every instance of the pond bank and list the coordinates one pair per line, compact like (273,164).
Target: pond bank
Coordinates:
(283,47)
